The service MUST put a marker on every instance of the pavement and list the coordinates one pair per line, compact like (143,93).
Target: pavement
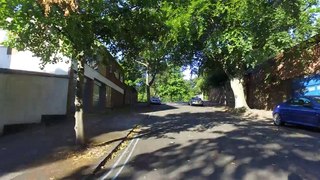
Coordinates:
(49,152)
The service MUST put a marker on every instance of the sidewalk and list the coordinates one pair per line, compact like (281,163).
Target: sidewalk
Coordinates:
(49,152)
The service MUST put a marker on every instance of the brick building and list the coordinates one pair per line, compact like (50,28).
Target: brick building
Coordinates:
(104,86)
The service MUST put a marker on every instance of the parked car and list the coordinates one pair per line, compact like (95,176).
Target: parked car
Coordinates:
(304,110)
(155,100)
(195,101)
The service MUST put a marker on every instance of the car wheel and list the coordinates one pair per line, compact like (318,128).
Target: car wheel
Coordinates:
(277,120)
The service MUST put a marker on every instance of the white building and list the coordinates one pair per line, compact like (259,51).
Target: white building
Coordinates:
(28,92)
(24,60)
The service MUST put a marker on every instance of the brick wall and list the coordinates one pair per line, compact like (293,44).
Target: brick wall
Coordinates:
(112,71)
(271,82)
(131,95)
(222,95)
(265,94)
(117,99)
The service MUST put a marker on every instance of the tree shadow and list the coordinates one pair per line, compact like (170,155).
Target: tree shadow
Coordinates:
(251,149)
(43,145)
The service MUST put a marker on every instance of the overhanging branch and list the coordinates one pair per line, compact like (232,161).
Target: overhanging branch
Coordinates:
(142,63)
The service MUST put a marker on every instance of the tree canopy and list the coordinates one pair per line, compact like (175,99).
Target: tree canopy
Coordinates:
(171,87)
(225,37)
(239,34)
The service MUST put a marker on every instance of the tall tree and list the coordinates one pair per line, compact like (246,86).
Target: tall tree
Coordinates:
(239,34)
(56,28)
(143,24)
(171,86)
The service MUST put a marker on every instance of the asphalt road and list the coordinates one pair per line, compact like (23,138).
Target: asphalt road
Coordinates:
(183,142)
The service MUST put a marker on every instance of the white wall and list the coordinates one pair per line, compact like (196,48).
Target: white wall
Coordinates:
(3,35)
(24,98)
(4,58)
(24,60)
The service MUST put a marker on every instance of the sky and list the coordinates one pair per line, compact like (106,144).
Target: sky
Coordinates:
(187,74)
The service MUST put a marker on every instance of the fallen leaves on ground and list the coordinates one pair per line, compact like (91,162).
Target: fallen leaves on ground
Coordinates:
(91,153)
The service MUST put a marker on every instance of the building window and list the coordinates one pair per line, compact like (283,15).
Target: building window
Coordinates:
(116,74)
(9,51)
(96,94)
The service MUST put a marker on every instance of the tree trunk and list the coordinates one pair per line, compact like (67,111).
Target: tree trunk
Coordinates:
(148,93)
(71,95)
(238,91)
(147,87)
(79,128)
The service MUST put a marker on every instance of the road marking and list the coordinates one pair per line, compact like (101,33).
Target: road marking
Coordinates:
(117,162)
(124,164)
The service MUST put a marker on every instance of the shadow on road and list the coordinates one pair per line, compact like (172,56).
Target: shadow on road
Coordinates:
(43,145)
(241,149)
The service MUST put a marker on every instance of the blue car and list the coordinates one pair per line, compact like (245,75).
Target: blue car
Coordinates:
(304,110)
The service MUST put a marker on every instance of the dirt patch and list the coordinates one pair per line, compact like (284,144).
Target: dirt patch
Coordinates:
(254,114)
(75,165)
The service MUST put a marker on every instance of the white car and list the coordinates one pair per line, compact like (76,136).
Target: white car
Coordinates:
(195,101)
(155,100)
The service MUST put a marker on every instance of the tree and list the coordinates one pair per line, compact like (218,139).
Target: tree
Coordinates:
(143,46)
(171,86)
(239,34)
(153,62)
(57,28)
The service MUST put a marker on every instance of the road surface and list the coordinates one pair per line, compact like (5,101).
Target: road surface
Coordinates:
(184,142)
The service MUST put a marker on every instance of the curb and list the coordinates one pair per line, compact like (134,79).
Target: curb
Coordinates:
(108,156)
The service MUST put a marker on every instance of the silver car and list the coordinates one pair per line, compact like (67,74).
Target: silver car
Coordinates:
(155,100)
(195,101)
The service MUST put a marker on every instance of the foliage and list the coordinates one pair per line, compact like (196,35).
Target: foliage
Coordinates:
(75,29)
(213,75)
(239,33)
(53,29)
(53,35)
(142,26)
(171,87)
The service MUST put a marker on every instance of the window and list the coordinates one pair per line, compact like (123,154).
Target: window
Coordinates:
(305,100)
(96,93)
(299,101)
(121,78)
(295,102)
(316,99)
(116,74)
(110,68)
(9,51)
